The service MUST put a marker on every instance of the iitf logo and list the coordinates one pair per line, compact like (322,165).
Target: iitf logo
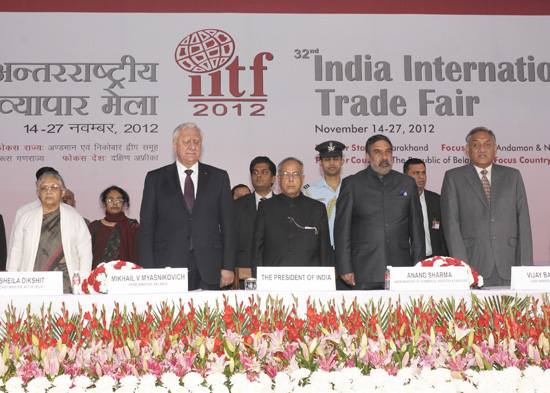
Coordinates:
(219,83)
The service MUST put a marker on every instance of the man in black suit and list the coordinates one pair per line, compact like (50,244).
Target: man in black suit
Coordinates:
(431,211)
(188,216)
(262,173)
(378,220)
(291,229)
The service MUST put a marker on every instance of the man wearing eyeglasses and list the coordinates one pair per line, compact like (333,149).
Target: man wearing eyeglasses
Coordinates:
(291,229)
(188,216)
(262,173)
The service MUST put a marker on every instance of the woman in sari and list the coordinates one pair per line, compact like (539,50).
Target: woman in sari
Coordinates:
(114,237)
(52,236)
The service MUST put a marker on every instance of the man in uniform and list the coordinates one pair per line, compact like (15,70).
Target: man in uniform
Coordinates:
(378,220)
(431,211)
(327,189)
(291,229)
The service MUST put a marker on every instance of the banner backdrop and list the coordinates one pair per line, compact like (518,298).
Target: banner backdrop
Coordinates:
(97,96)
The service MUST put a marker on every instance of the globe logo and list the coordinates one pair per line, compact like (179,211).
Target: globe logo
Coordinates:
(205,51)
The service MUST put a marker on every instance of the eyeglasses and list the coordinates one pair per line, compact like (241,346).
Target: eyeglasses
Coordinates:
(115,201)
(287,175)
(263,172)
(53,187)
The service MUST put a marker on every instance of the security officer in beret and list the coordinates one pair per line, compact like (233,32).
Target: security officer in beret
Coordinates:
(327,189)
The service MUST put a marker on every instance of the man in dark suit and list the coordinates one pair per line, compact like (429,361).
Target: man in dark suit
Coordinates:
(485,212)
(291,229)
(262,173)
(378,220)
(431,211)
(188,216)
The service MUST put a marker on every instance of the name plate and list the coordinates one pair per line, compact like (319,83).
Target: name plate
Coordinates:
(530,277)
(31,283)
(122,282)
(429,278)
(296,278)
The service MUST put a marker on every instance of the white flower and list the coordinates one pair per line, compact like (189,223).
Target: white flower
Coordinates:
(192,379)
(82,382)
(379,377)
(77,389)
(129,381)
(265,380)
(13,383)
(219,388)
(148,381)
(170,379)
(299,374)
(125,389)
(216,379)
(238,379)
(106,383)
(199,389)
(159,389)
(37,385)
(63,381)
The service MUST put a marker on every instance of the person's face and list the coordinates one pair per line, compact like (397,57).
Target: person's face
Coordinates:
(188,146)
(380,157)
(482,149)
(239,192)
(262,178)
(68,198)
(50,193)
(331,165)
(418,171)
(291,179)
(114,202)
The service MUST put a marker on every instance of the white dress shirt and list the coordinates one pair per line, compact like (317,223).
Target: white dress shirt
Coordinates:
(259,198)
(426,220)
(194,176)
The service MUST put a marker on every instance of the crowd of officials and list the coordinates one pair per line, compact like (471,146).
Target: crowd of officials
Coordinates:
(190,217)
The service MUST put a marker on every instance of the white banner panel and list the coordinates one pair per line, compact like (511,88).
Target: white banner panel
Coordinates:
(121,282)
(296,278)
(31,283)
(530,278)
(97,96)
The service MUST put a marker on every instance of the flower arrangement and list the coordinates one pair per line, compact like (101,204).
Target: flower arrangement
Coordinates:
(474,279)
(97,280)
(267,346)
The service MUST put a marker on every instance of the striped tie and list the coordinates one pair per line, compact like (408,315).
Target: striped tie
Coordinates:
(486,184)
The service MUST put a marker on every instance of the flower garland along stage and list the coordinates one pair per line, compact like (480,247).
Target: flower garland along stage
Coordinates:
(495,344)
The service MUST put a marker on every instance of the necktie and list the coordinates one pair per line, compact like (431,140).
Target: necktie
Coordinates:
(486,184)
(189,190)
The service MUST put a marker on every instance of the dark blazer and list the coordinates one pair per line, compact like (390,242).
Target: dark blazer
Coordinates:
(246,217)
(167,225)
(487,236)
(3,246)
(280,242)
(434,214)
(377,225)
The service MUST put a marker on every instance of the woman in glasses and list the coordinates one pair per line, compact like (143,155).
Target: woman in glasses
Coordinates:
(52,236)
(114,237)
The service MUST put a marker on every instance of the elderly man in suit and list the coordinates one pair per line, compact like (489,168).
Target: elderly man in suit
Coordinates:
(291,229)
(378,220)
(188,216)
(431,210)
(485,213)
(262,173)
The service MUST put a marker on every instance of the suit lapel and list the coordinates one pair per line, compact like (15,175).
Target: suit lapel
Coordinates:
(475,182)
(251,206)
(174,182)
(497,182)
(204,177)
